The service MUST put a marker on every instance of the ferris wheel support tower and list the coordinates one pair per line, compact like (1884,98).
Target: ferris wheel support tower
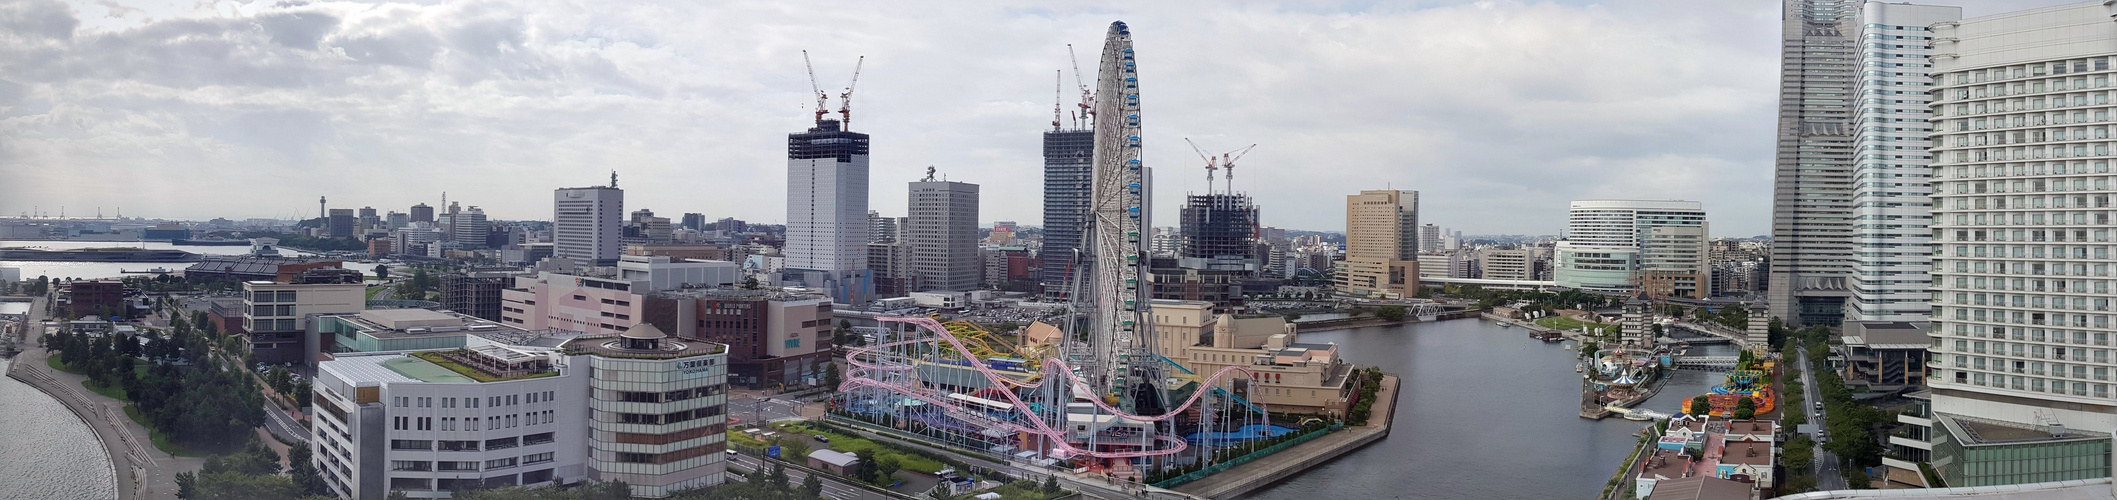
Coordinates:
(1123,353)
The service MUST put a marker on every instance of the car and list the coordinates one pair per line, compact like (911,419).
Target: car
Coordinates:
(733,453)
(1819,406)
(821,439)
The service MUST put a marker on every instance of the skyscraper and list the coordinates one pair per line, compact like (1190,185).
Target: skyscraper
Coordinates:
(1068,164)
(586,224)
(1429,238)
(2021,281)
(827,225)
(944,235)
(1892,203)
(1381,244)
(1811,252)
(422,213)
(340,223)
(1219,231)
(467,227)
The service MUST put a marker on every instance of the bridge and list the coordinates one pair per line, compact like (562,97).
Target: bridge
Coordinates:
(1739,338)
(1705,362)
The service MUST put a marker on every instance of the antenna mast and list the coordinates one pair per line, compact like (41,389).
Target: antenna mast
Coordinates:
(845,100)
(821,98)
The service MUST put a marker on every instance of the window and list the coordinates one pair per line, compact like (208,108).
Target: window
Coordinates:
(405,444)
(536,439)
(400,423)
(635,458)
(500,444)
(407,465)
(457,466)
(426,423)
(537,458)
(499,463)
(459,446)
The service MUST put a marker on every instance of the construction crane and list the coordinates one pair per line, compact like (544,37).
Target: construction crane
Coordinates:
(1057,79)
(1227,161)
(845,100)
(1087,97)
(1211,163)
(821,98)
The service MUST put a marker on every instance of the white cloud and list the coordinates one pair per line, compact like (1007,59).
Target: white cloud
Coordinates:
(1499,111)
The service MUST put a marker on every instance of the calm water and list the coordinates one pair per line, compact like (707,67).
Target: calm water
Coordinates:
(93,270)
(1486,412)
(45,451)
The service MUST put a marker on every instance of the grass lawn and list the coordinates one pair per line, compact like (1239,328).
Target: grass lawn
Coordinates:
(372,291)
(1567,324)
(53,362)
(854,445)
(161,440)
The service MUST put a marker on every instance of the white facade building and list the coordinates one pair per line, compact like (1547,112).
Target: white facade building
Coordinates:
(943,233)
(827,224)
(1624,245)
(1891,194)
(2022,211)
(587,224)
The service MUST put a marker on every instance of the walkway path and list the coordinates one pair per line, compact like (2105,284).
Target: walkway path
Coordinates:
(1290,462)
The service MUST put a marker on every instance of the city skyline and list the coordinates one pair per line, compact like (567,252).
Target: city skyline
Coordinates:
(390,107)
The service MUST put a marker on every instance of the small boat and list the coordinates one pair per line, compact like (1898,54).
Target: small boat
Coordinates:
(1637,415)
(1504,324)
(158,270)
(1578,368)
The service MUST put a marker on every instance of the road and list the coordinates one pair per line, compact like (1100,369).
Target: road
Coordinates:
(1091,488)
(1826,464)
(754,410)
(833,488)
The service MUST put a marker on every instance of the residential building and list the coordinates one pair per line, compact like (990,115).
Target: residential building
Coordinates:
(826,235)
(695,222)
(1892,202)
(1811,251)
(1381,244)
(943,231)
(1291,376)
(1219,231)
(1630,246)
(1068,162)
(277,315)
(2020,349)
(586,224)
(639,408)
(776,339)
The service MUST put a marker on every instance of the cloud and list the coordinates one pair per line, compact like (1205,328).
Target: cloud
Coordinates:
(1499,111)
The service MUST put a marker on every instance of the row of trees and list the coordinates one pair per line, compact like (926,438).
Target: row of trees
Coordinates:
(179,387)
(253,473)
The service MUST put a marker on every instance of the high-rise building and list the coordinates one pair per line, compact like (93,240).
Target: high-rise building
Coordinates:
(1892,204)
(1219,231)
(880,228)
(340,223)
(1429,238)
(1068,164)
(827,225)
(1629,246)
(1381,244)
(1811,254)
(694,222)
(396,220)
(943,226)
(2021,280)
(586,224)
(466,227)
(422,213)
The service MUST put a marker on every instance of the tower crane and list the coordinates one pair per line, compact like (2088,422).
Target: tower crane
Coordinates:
(1087,98)
(821,98)
(1227,160)
(1212,163)
(1057,76)
(845,100)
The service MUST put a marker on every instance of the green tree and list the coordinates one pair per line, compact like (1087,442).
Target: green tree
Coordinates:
(940,492)
(1700,405)
(831,377)
(864,467)
(812,487)
(778,479)
(1745,408)
(887,470)
(1391,313)
(382,271)
(1051,485)
(750,283)
(186,485)
(303,472)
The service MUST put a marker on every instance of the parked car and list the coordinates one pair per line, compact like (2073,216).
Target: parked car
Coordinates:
(821,439)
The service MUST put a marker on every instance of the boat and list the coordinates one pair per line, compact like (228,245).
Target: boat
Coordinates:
(1504,324)
(209,242)
(1637,415)
(157,270)
(1578,368)
(98,255)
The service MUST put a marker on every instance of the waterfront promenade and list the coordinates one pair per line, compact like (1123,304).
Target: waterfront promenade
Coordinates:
(142,471)
(1249,477)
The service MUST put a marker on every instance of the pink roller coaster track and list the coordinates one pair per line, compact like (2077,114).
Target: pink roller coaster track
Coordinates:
(865,366)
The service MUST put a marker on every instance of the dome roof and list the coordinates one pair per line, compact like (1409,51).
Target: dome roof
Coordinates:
(645,331)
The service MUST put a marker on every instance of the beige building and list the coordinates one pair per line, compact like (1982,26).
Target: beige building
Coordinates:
(276,316)
(1290,376)
(1381,244)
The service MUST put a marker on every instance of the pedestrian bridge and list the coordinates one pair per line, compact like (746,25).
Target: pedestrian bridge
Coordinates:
(1705,362)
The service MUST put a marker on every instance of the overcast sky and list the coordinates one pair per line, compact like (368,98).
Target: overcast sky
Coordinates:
(1498,112)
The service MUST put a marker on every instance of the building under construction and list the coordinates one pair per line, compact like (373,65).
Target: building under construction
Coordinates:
(1219,233)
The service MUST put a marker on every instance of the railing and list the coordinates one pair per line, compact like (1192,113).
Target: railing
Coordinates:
(1267,451)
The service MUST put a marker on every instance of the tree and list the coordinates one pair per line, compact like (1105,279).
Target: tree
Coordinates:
(940,492)
(1745,408)
(382,271)
(1392,313)
(831,378)
(812,487)
(749,283)
(186,482)
(778,478)
(304,472)
(887,469)
(1051,484)
(864,468)
(1700,405)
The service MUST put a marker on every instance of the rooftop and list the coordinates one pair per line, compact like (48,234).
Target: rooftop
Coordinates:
(1979,431)
(612,346)
(1887,334)
(1700,488)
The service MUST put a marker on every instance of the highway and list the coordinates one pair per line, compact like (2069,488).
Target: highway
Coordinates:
(833,488)
(1826,464)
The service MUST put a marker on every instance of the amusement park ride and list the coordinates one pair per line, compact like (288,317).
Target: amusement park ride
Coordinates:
(1100,395)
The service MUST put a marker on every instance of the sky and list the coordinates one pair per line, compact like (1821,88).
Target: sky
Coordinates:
(1498,112)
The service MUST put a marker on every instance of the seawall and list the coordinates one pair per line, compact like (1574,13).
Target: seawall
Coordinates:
(1252,476)
(126,477)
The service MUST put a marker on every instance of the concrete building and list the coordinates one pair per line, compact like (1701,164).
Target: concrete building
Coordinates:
(276,316)
(1429,238)
(1381,244)
(1219,232)
(475,294)
(2020,358)
(639,408)
(1447,265)
(1883,356)
(1811,252)
(99,298)
(679,251)
(1068,161)
(422,213)
(1291,376)
(1514,264)
(1892,208)
(1220,287)
(340,223)
(1626,246)
(776,339)
(943,232)
(826,235)
(586,224)
(605,304)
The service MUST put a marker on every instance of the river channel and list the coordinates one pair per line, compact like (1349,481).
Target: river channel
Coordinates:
(1487,412)
(45,451)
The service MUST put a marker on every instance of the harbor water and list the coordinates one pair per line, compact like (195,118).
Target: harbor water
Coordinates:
(45,451)
(93,270)
(1486,412)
